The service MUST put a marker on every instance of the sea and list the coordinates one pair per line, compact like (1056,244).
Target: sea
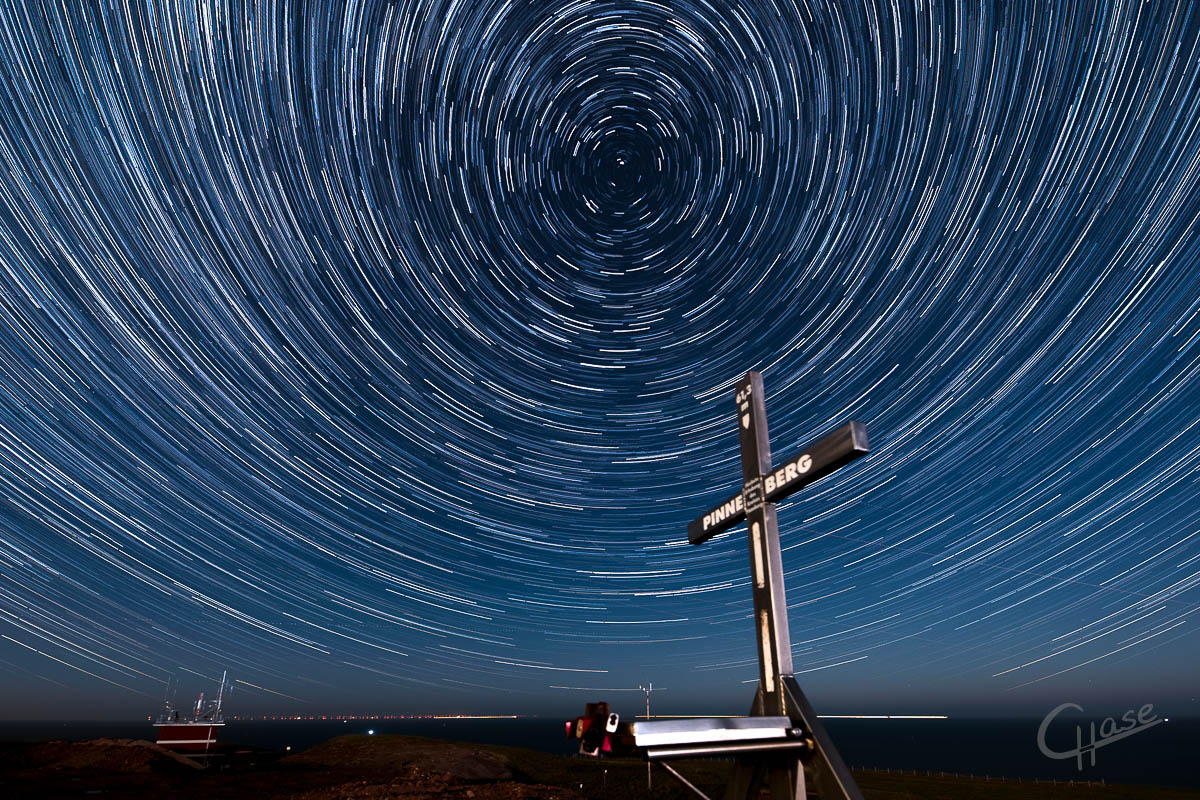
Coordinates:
(1163,754)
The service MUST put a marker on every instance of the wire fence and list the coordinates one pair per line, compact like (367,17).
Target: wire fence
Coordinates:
(933,773)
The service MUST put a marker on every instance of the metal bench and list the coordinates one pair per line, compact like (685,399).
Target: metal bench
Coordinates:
(716,737)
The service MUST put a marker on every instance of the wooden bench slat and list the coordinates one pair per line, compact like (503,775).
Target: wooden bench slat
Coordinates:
(710,730)
(719,749)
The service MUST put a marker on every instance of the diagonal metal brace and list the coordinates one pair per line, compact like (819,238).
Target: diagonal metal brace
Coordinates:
(830,773)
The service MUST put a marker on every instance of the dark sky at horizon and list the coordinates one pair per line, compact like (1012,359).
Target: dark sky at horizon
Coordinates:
(381,352)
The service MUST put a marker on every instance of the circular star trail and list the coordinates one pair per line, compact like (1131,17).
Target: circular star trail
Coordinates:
(381,352)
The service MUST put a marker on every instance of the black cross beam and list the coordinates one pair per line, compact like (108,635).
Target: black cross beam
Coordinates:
(813,462)
(763,486)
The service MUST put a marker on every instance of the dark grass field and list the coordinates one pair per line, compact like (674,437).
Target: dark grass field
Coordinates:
(395,767)
(624,779)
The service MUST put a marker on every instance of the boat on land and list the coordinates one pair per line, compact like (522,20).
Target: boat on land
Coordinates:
(194,735)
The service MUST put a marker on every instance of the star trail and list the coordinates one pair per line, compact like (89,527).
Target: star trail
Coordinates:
(381,352)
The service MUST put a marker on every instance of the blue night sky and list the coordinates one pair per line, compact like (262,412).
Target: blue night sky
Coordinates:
(381,352)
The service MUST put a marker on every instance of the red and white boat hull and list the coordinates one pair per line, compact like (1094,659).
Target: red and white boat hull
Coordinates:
(188,737)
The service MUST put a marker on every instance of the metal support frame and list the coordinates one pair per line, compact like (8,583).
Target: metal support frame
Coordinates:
(682,779)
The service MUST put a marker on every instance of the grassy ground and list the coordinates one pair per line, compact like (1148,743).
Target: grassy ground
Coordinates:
(625,779)
(391,767)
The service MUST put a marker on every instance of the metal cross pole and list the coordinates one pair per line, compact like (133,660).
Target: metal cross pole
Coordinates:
(762,486)
(647,689)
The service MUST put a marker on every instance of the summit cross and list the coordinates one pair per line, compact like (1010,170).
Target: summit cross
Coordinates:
(763,486)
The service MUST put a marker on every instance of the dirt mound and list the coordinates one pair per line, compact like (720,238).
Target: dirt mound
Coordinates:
(413,783)
(409,768)
(346,768)
(131,756)
(390,753)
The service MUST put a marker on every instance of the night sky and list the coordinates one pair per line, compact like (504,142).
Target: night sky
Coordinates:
(381,352)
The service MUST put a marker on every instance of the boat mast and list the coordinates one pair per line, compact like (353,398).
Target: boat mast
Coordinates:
(220,695)
(167,704)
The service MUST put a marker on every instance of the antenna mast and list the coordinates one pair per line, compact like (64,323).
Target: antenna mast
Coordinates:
(648,688)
